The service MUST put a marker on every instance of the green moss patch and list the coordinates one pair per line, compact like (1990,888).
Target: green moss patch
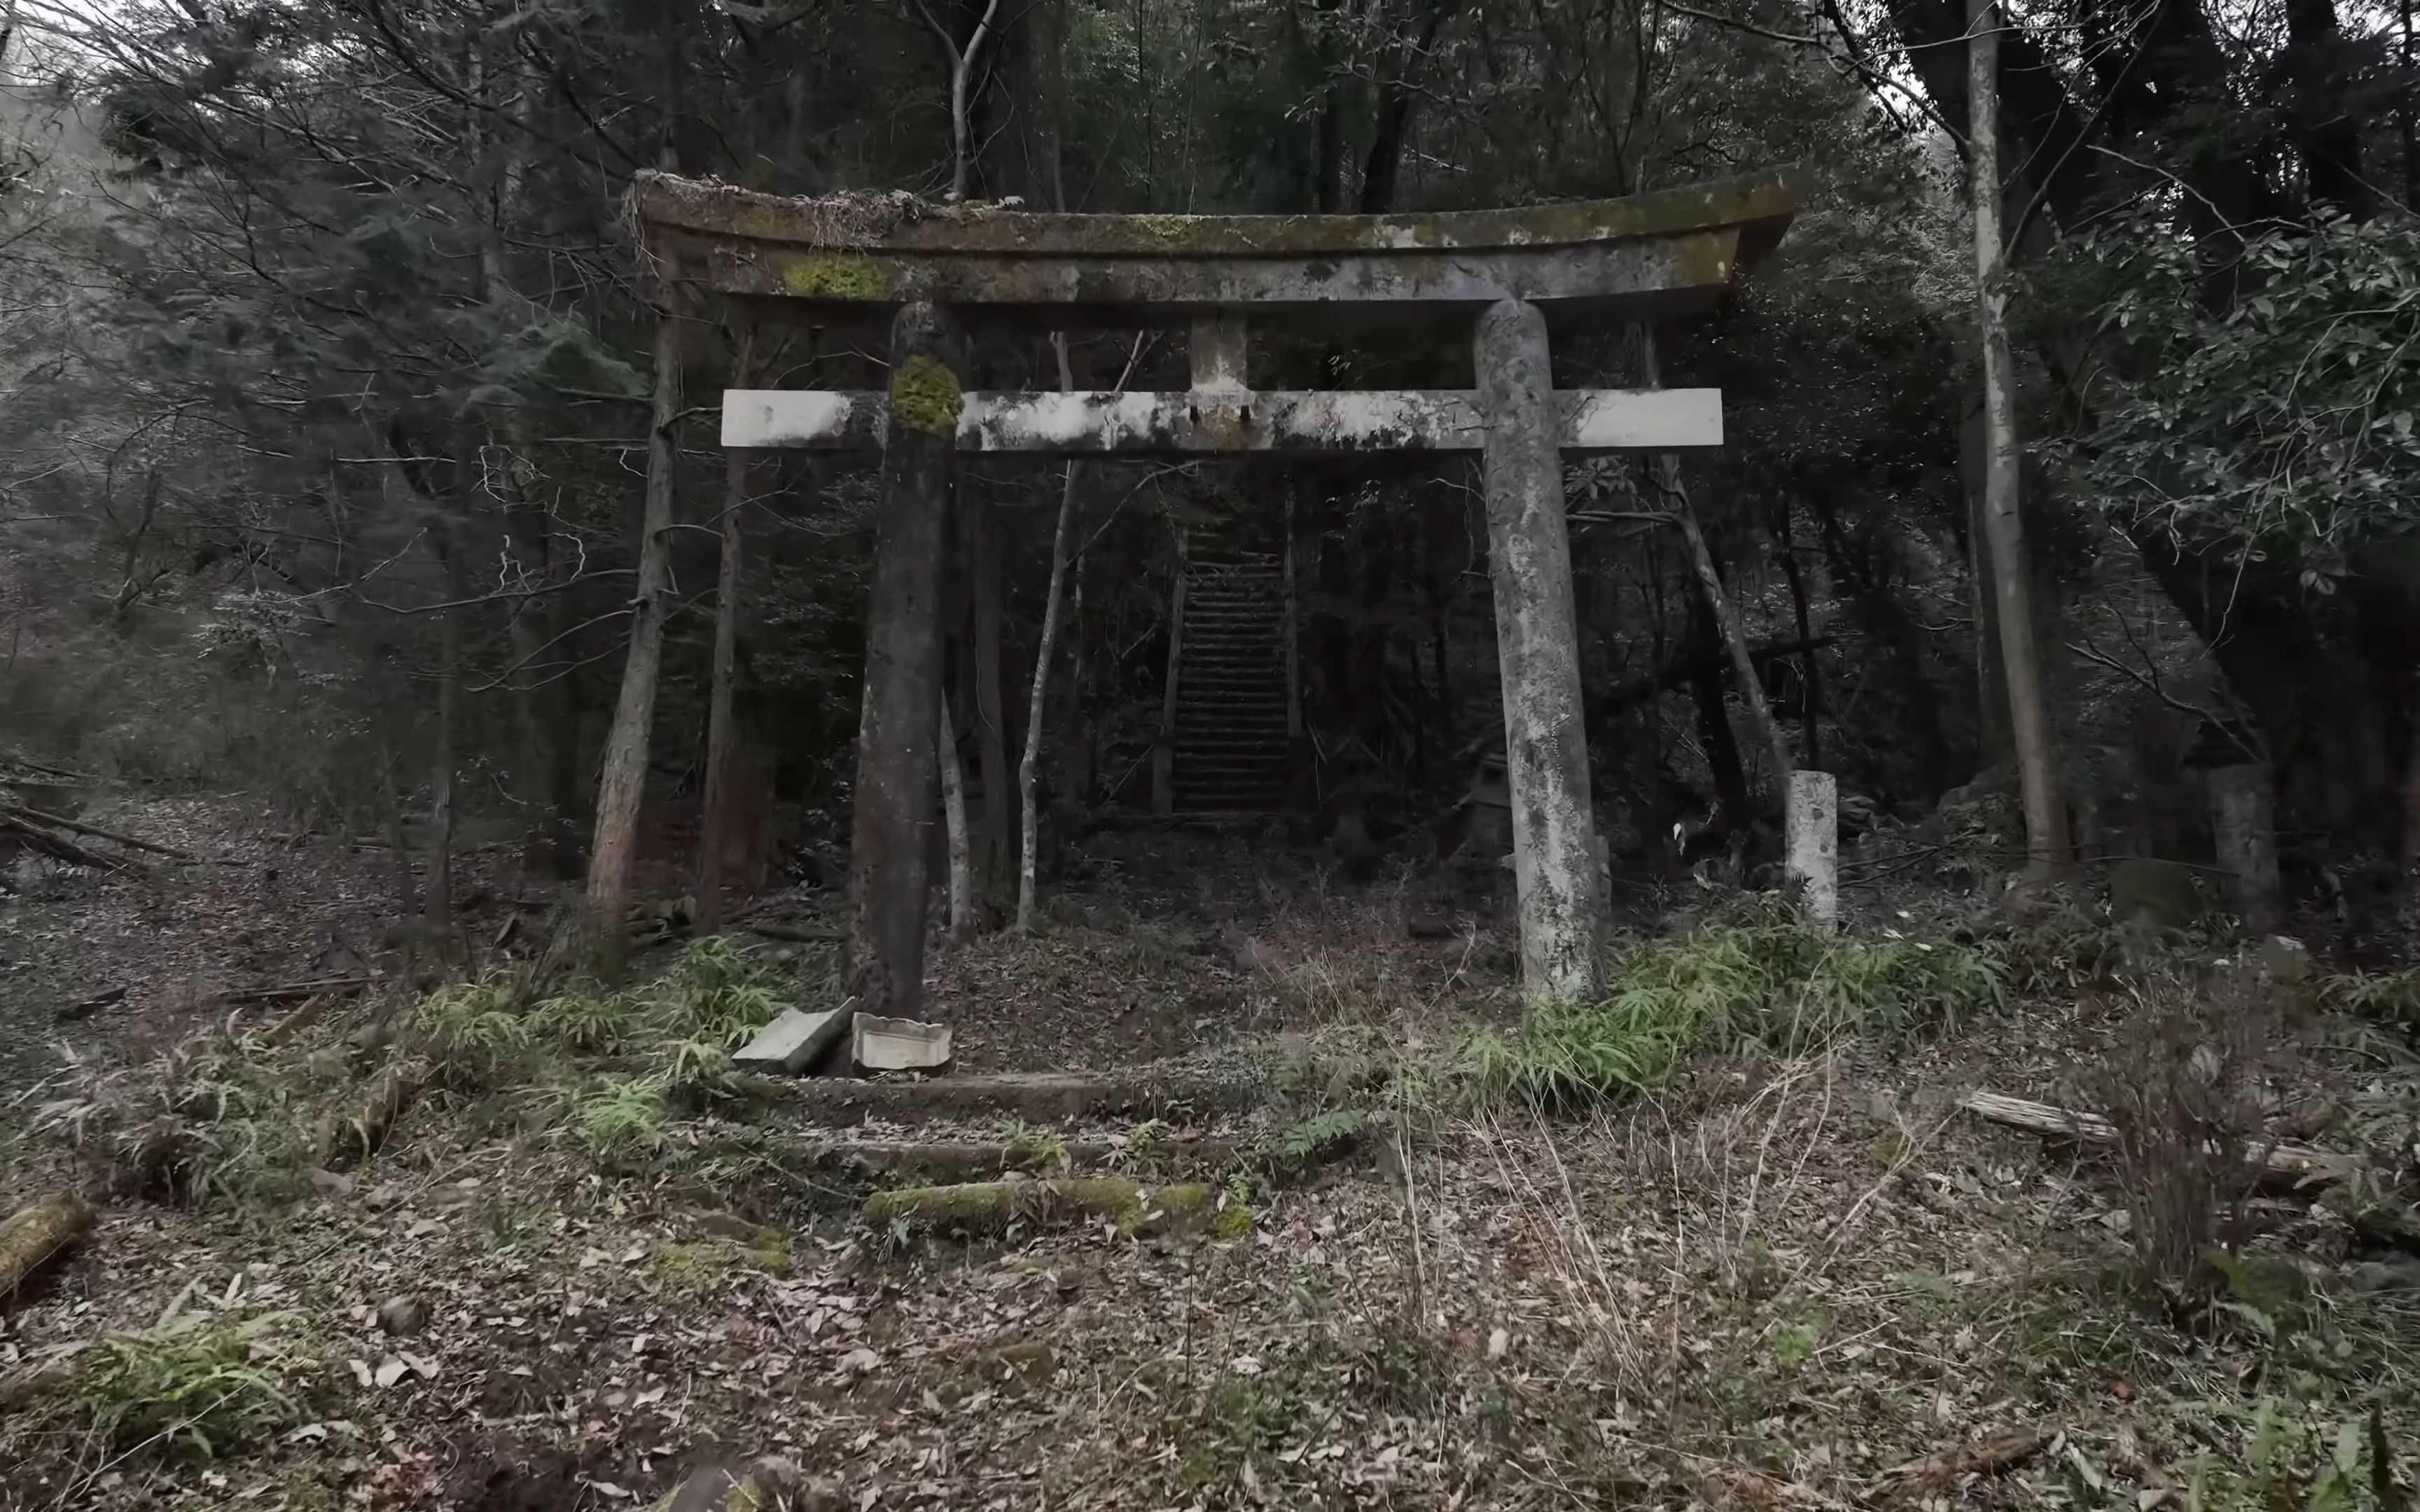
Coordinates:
(834,277)
(925,395)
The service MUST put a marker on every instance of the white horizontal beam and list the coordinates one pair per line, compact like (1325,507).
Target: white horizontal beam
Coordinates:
(1096,422)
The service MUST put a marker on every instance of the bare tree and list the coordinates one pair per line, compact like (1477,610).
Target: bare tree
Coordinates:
(625,777)
(2046,837)
(721,743)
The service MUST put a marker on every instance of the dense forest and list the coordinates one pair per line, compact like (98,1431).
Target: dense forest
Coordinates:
(330,357)
(433,755)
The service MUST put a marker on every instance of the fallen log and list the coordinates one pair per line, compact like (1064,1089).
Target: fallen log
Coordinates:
(58,847)
(77,827)
(793,934)
(2305,1163)
(994,1207)
(35,1234)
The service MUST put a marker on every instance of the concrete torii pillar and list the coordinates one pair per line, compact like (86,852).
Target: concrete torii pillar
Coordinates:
(1560,889)
(899,715)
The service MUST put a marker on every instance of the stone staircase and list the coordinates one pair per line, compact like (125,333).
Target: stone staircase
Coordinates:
(1231,752)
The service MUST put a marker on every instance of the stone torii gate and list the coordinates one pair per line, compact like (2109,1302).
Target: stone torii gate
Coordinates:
(1502,274)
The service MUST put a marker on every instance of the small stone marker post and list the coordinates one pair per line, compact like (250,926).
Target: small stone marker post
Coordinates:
(1814,863)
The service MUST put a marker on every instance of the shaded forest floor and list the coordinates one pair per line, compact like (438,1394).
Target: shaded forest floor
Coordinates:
(1784,1280)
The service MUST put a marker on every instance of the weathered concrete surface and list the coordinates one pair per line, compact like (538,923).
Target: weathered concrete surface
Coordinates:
(1220,354)
(1221,418)
(897,725)
(792,1041)
(839,226)
(1812,816)
(1651,257)
(1657,278)
(1537,639)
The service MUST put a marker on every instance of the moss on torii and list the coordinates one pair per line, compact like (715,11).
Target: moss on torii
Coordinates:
(925,395)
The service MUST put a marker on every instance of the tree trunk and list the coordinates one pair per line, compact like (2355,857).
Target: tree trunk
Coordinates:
(1727,624)
(2243,822)
(1731,795)
(953,820)
(1029,837)
(899,718)
(614,851)
(407,886)
(2046,836)
(983,559)
(438,907)
(722,742)
(1810,702)
(1665,471)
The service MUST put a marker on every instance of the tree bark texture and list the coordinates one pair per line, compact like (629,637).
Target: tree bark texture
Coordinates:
(954,822)
(1030,835)
(439,906)
(1556,865)
(717,813)
(2046,837)
(983,559)
(1675,500)
(623,784)
(1727,624)
(2244,823)
(899,717)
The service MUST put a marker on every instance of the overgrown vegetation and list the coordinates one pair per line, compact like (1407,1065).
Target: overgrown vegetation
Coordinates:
(199,1383)
(236,1119)
(1767,981)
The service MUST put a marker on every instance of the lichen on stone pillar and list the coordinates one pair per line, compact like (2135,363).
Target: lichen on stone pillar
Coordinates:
(1560,889)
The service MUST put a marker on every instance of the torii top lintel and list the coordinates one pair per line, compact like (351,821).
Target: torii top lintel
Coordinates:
(1647,256)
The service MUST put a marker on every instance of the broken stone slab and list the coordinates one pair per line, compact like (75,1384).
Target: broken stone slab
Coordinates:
(1038,1097)
(793,1041)
(901,1044)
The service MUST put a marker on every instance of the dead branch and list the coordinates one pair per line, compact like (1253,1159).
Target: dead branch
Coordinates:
(1993,1454)
(2303,1162)
(2149,683)
(85,1007)
(76,826)
(58,847)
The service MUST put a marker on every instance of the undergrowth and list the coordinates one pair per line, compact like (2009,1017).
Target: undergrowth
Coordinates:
(229,1119)
(1768,981)
(197,1384)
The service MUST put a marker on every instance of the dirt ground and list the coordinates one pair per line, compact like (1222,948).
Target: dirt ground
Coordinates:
(1790,1282)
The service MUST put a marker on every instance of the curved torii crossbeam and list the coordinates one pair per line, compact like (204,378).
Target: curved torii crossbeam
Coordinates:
(931,268)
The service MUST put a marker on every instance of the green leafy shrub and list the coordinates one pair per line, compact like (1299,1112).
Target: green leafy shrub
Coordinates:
(621,1114)
(198,1384)
(2391,999)
(476,1026)
(1770,981)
